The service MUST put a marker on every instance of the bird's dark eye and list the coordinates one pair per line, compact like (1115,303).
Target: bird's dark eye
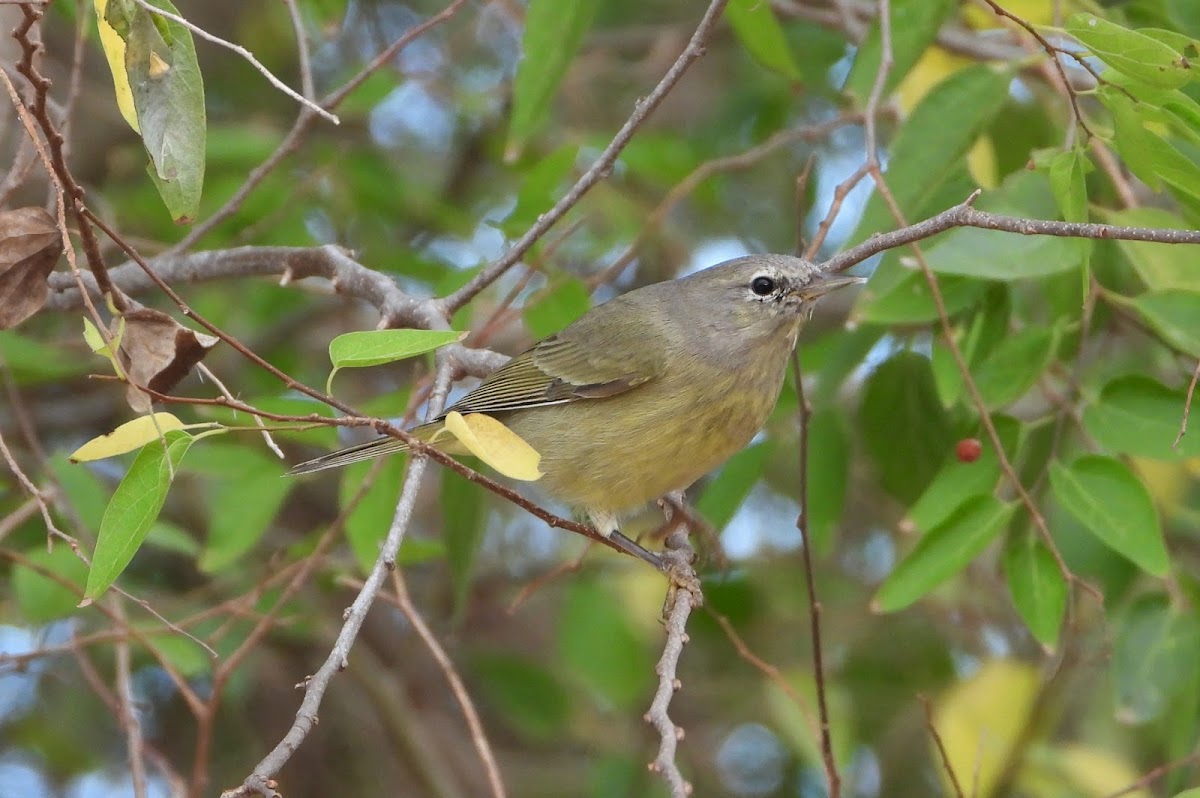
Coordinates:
(762,285)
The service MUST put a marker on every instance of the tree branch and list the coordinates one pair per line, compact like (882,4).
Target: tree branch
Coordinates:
(964,215)
(683,595)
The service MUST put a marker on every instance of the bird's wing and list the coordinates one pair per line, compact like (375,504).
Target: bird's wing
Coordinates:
(560,370)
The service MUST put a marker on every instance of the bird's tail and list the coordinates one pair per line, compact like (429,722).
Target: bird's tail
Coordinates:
(369,450)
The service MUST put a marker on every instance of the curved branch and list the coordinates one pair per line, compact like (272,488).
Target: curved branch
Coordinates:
(347,276)
(964,215)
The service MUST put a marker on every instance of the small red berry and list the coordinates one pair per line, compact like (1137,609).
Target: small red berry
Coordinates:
(968,450)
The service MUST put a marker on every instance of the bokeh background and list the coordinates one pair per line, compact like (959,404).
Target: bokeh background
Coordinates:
(418,182)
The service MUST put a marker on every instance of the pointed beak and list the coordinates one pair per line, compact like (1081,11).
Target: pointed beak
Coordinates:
(826,283)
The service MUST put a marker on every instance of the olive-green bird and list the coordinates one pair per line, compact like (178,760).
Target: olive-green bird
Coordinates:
(648,392)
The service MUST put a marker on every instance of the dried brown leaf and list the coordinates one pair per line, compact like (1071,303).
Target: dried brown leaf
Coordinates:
(158,352)
(29,247)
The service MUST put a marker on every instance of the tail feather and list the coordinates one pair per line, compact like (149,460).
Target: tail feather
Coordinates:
(353,454)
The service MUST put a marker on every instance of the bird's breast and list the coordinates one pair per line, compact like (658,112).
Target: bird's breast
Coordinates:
(622,451)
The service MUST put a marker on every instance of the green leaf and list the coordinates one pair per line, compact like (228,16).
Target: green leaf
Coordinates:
(935,137)
(914,26)
(598,647)
(946,375)
(1134,142)
(910,302)
(40,598)
(997,255)
(168,95)
(242,512)
(30,360)
(169,537)
(1160,266)
(990,325)
(843,350)
(562,304)
(133,508)
(1113,504)
(84,490)
(1131,52)
(729,488)
(1186,16)
(1037,586)
(523,693)
(376,347)
(1173,315)
(1148,155)
(554,30)
(957,482)
(905,427)
(1154,657)
(369,521)
(1068,180)
(943,551)
(1015,364)
(1139,416)
(756,27)
(828,475)
(464,522)
(188,658)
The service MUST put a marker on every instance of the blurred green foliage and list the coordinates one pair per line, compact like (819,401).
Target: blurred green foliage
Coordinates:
(1058,650)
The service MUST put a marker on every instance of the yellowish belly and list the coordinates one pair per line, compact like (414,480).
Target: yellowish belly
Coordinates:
(617,454)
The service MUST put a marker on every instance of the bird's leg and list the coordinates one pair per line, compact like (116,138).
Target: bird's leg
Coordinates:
(676,510)
(630,547)
(606,524)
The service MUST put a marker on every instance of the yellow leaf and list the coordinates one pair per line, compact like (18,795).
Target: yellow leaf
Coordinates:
(127,437)
(981,719)
(1169,483)
(1094,772)
(496,445)
(934,66)
(981,162)
(1035,12)
(114,51)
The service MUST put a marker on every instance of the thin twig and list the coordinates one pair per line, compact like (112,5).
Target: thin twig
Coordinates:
(598,170)
(1051,51)
(960,361)
(244,53)
(227,668)
(770,671)
(478,736)
(261,781)
(1187,406)
(706,170)
(127,713)
(1155,774)
(304,122)
(271,444)
(804,411)
(937,741)
(302,56)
